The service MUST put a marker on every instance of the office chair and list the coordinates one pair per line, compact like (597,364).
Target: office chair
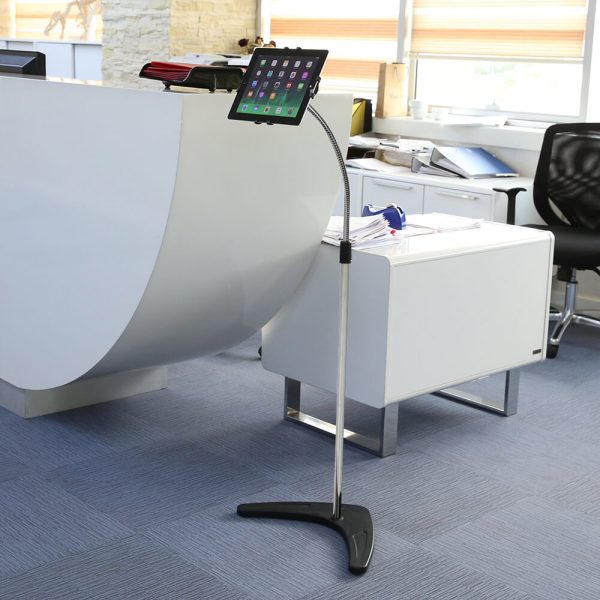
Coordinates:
(566,194)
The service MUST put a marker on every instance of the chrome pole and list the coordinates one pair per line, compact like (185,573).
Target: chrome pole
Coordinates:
(341,393)
(345,249)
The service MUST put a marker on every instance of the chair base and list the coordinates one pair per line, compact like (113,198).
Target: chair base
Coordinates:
(567,316)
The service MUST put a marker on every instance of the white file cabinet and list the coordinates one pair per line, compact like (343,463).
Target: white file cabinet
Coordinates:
(430,312)
(417,193)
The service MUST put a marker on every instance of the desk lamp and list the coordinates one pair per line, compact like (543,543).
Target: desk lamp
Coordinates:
(276,89)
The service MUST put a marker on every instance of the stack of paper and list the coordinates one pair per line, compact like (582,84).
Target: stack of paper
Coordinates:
(407,145)
(200,59)
(241,61)
(439,222)
(364,231)
(365,141)
(369,232)
(373,164)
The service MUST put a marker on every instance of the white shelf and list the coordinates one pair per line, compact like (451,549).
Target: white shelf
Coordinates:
(522,138)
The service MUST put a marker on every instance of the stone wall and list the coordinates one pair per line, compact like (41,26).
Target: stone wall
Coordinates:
(213,27)
(7,18)
(135,32)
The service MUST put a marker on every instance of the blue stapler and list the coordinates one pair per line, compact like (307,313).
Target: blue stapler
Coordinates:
(393,214)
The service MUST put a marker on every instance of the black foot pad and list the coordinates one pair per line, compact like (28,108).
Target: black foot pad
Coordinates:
(355,524)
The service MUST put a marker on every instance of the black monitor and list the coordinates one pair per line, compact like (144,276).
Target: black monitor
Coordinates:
(22,62)
(277,85)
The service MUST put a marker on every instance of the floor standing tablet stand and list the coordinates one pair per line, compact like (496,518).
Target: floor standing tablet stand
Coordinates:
(351,521)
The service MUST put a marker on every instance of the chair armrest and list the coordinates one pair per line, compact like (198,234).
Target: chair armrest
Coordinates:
(511,195)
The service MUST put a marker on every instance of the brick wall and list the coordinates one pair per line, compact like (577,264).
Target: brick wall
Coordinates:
(135,32)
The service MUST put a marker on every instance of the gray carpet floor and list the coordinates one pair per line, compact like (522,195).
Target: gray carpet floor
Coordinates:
(135,499)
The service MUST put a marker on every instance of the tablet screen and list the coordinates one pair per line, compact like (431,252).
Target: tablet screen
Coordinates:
(277,84)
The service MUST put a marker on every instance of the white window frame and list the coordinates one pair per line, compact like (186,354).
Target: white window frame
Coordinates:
(588,81)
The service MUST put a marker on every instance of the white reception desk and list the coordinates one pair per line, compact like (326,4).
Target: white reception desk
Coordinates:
(141,228)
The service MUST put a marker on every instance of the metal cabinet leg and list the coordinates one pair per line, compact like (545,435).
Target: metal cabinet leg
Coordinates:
(385,441)
(382,444)
(509,403)
(291,397)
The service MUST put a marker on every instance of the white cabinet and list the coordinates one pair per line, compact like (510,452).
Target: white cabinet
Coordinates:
(381,192)
(65,59)
(458,202)
(493,281)
(417,193)
(59,58)
(88,62)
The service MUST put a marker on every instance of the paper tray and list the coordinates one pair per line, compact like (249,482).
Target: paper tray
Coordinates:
(208,77)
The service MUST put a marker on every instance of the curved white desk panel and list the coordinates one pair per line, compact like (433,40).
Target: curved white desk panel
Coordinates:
(89,179)
(86,180)
(250,206)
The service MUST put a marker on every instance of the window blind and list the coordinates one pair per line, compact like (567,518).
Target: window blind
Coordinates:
(358,35)
(515,28)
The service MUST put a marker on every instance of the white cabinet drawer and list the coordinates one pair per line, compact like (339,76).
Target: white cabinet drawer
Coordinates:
(381,192)
(456,202)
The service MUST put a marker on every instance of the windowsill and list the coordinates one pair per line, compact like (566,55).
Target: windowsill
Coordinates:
(522,138)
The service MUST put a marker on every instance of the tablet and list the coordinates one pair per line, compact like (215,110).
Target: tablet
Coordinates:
(277,85)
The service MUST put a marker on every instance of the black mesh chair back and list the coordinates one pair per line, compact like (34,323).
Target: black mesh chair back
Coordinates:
(566,194)
(568,176)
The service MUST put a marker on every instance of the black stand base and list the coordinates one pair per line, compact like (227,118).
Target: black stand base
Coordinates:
(354,525)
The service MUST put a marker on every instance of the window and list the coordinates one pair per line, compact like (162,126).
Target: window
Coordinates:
(48,19)
(521,89)
(522,57)
(359,36)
